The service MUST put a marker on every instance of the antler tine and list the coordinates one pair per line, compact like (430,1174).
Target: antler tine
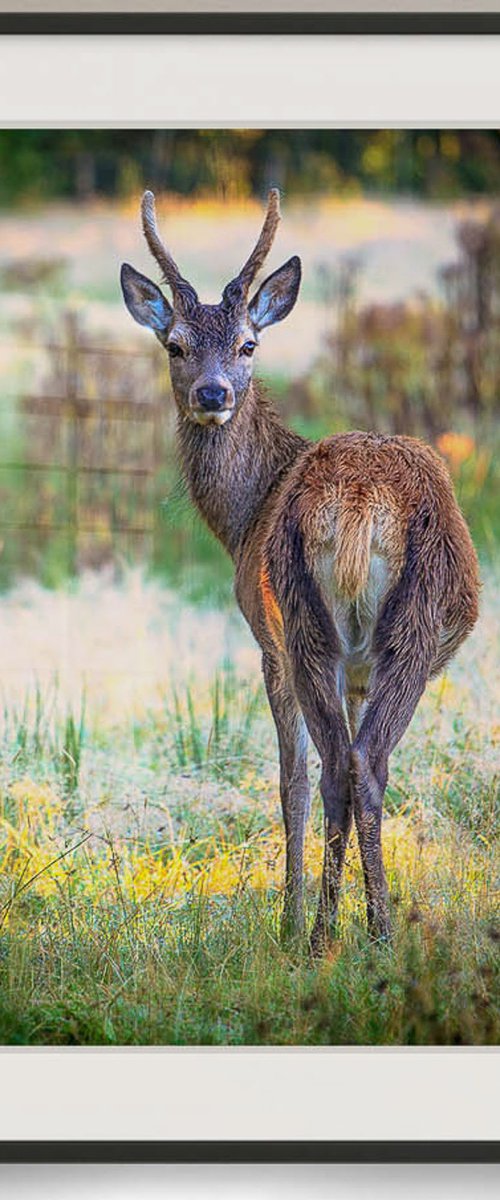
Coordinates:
(180,287)
(243,281)
(265,241)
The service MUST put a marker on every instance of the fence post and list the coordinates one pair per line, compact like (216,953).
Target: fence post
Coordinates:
(72,333)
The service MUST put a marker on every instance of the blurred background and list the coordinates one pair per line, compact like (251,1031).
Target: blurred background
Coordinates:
(397,327)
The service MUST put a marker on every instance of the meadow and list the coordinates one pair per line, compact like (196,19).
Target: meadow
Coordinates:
(141,842)
(142,847)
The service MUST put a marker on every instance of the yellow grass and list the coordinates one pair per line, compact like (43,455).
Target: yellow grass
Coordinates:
(419,863)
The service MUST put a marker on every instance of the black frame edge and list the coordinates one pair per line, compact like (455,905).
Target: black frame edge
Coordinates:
(74,1152)
(264,23)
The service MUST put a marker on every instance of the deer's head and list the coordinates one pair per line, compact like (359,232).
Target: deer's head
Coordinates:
(210,346)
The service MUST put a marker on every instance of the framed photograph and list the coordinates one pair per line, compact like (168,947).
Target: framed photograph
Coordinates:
(249,480)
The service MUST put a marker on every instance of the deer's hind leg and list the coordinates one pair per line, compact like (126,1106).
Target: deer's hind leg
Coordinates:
(382,726)
(313,648)
(399,677)
(332,742)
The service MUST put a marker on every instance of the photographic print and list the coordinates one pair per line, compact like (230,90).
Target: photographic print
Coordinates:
(248,586)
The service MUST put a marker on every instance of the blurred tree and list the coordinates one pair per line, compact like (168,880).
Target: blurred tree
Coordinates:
(38,164)
(418,366)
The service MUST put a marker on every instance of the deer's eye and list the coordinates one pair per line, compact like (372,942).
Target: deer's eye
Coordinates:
(174,350)
(248,348)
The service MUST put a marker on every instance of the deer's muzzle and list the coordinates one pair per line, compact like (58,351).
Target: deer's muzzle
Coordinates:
(211,402)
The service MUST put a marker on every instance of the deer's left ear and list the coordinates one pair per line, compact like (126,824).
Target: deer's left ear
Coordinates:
(276,296)
(144,300)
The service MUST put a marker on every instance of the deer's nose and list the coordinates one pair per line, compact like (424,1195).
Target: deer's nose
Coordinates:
(212,398)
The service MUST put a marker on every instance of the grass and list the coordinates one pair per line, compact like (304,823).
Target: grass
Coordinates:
(166,948)
(35,738)
(232,713)
(141,855)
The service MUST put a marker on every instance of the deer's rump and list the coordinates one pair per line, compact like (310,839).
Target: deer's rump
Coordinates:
(361,517)
(357,560)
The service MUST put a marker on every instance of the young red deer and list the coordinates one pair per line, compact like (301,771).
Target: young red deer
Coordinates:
(354,566)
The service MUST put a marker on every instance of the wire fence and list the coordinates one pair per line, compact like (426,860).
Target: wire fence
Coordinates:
(80,475)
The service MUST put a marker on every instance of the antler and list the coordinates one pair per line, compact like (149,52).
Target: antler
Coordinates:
(239,287)
(182,290)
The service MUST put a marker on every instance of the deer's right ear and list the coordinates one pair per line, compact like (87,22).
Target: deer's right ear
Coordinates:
(144,300)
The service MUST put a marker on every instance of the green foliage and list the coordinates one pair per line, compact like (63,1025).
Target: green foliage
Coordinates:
(36,164)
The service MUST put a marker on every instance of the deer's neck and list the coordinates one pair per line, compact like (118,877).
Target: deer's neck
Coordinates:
(231,470)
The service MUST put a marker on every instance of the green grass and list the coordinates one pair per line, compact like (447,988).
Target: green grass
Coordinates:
(38,742)
(214,973)
(142,869)
(223,745)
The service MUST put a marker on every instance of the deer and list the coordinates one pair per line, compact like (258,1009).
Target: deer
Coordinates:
(354,566)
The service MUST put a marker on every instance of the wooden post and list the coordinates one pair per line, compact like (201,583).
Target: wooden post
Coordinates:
(72,364)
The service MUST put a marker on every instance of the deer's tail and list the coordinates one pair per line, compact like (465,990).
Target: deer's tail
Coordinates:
(353,538)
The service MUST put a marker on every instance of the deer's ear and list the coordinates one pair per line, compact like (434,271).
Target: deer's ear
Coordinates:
(277,295)
(144,300)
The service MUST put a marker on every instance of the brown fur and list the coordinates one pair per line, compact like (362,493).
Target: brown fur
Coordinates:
(354,568)
(272,610)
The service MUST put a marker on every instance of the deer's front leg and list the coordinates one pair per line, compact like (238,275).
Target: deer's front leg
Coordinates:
(323,714)
(294,787)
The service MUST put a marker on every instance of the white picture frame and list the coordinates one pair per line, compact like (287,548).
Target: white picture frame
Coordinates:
(349,1104)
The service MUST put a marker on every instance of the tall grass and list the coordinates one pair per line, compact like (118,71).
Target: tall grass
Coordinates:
(215,737)
(37,735)
(102,960)
(141,885)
